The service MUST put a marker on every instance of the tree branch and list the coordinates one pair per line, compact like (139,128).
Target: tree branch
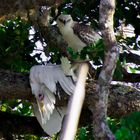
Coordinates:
(16,86)
(101,129)
(20,7)
(75,106)
(130,57)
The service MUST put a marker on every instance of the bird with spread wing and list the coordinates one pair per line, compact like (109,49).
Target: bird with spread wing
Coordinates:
(43,81)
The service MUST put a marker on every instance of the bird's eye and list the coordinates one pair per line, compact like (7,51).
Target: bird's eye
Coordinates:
(68,20)
(64,21)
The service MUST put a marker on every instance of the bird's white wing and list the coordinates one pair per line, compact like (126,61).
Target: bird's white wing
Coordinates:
(65,82)
(46,104)
(56,75)
(55,122)
(43,80)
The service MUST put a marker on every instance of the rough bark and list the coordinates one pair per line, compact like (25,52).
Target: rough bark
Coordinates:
(16,86)
(101,129)
(12,8)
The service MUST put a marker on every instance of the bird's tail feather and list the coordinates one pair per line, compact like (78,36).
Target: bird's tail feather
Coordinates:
(53,125)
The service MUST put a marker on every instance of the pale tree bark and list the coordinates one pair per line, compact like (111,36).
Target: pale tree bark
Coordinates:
(101,129)
(75,105)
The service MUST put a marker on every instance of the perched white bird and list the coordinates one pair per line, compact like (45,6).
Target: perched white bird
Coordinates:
(77,35)
(43,81)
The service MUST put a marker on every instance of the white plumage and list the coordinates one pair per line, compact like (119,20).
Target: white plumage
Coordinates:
(53,125)
(43,80)
(75,34)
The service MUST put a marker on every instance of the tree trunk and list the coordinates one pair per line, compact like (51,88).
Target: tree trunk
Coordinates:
(101,129)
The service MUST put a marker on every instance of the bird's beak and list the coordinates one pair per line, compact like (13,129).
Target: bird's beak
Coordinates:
(64,21)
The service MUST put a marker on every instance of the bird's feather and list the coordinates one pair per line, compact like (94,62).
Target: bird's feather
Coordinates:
(77,35)
(86,33)
(47,106)
(55,122)
(43,81)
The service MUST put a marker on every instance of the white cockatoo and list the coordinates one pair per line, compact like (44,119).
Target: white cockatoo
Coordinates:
(43,81)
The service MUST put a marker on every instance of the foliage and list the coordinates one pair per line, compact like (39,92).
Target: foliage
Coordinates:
(33,137)
(17,107)
(15,50)
(15,46)
(88,12)
(84,133)
(84,11)
(127,128)
(93,52)
(118,71)
(132,9)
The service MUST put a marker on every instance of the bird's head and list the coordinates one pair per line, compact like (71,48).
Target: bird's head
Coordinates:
(64,21)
